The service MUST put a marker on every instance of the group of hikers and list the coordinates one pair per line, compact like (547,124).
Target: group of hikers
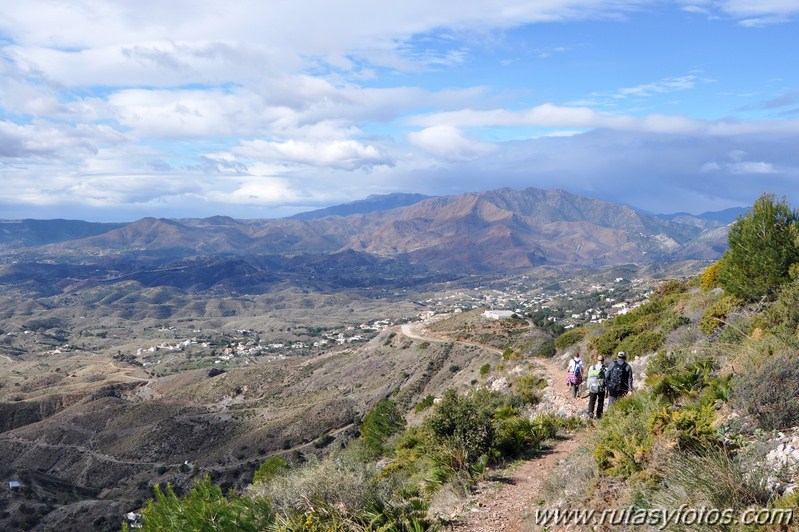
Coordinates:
(615,380)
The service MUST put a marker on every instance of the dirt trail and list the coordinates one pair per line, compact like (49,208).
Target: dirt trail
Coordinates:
(509,503)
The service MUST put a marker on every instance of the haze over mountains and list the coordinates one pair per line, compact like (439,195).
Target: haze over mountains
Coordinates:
(500,230)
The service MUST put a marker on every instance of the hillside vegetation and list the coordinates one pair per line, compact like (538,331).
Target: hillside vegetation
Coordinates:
(715,422)
(715,358)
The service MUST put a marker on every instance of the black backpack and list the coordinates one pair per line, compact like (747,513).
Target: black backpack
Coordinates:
(615,377)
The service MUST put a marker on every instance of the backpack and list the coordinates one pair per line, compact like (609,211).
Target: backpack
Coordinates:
(578,370)
(596,380)
(615,378)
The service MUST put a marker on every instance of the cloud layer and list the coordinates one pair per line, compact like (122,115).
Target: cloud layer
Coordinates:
(110,109)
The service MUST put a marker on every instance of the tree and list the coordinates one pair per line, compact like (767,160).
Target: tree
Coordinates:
(380,423)
(762,246)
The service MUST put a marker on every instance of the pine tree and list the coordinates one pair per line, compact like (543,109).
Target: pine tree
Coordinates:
(762,246)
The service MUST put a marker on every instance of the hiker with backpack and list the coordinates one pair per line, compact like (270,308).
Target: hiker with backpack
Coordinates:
(574,374)
(619,378)
(596,388)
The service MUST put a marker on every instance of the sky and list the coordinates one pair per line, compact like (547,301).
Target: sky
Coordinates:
(112,110)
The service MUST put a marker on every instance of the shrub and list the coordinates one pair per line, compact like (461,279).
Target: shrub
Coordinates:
(424,404)
(205,503)
(569,338)
(691,427)
(269,469)
(710,278)
(639,344)
(529,387)
(624,441)
(463,423)
(769,390)
(671,320)
(673,376)
(545,349)
(484,369)
(709,478)
(671,287)
(606,343)
(783,315)
(380,423)
(714,316)
(341,480)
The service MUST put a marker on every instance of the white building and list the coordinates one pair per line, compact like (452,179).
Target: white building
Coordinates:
(498,314)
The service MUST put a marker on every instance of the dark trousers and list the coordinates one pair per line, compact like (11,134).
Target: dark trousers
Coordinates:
(596,400)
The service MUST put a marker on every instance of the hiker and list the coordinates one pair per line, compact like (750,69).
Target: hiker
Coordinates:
(596,388)
(618,378)
(574,374)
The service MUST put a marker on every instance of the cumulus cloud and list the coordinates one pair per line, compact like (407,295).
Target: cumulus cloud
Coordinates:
(340,154)
(449,143)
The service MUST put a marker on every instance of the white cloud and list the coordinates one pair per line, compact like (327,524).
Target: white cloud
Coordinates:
(340,154)
(752,167)
(749,13)
(659,87)
(555,116)
(449,143)
(256,190)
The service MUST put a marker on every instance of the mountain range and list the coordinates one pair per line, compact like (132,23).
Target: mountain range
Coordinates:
(497,231)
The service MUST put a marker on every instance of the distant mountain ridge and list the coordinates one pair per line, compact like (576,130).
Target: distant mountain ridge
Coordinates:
(374,202)
(725,216)
(23,233)
(501,230)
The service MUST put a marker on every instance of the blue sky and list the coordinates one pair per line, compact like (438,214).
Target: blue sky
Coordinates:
(112,110)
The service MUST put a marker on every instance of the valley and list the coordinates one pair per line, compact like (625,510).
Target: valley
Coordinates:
(162,351)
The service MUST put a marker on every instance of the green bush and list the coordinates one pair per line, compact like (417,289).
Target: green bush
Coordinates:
(624,441)
(716,314)
(529,388)
(269,469)
(690,427)
(569,338)
(546,349)
(204,504)
(485,369)
(673,375)
(463,422)
(640,344)
(425,403)
(380,423)
(670,320)
(607,343)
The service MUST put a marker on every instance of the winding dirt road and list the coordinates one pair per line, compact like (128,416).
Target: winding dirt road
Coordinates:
(508,503)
